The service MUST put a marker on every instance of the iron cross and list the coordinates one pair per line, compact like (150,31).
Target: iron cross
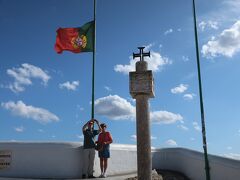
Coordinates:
(141,54)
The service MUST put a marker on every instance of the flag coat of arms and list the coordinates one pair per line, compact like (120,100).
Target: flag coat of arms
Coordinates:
(76,40)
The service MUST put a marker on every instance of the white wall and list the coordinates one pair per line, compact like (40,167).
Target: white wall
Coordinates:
(64,160)
(43,160)
(191,163)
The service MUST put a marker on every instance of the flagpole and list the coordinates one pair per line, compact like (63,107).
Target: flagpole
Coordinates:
(204,139)
(93,63)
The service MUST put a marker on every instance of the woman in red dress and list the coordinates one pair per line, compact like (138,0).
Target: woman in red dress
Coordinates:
(105,139)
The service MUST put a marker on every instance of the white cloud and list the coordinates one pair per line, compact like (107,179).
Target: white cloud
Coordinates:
(179,89)
(107,88)
(114,107)
(149,46)
(19,129)
(229,148)
(69,85)
(185,58)
(232,156)
(80,136)
(226,44)
(39,114)
(117,108)
(192,139)
(183,127)
(23,76)
(153,137)
(203,25)
(196,126)
(189,96)
(165,117)
(171,142)
(40,130)
(155,63)
(168,31)
(134,137)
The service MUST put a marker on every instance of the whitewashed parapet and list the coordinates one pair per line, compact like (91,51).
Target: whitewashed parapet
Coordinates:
(59,160)
(191,163)
(64,160)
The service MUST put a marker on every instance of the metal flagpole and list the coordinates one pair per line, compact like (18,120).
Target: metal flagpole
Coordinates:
(93,63)
(207,169)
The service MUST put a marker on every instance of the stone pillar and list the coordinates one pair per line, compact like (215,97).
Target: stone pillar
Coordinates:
(141,89)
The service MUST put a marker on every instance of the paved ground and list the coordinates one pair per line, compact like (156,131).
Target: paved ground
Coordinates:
(122,177)
(166,175)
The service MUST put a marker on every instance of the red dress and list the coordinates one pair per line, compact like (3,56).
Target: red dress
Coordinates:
(104,137)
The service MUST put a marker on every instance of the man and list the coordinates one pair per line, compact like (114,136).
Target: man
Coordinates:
(89,147)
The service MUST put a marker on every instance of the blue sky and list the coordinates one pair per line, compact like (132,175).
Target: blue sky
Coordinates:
(45,96)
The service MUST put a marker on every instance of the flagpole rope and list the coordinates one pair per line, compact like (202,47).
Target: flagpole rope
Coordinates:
(204,139)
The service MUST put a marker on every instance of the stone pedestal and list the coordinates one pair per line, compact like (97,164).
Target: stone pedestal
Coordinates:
(141,89)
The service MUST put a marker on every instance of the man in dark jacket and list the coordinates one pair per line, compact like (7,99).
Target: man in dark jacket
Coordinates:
(89,147)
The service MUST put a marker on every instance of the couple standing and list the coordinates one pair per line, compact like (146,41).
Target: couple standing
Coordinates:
(104,138)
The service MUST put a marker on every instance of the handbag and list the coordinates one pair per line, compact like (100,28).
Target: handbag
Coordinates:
(98,146)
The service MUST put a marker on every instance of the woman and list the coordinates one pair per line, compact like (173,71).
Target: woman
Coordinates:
(105,139)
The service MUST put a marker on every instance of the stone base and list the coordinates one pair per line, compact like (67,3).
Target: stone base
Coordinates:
(164,175)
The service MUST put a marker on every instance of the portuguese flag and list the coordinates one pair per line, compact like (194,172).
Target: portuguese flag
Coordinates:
(76,40)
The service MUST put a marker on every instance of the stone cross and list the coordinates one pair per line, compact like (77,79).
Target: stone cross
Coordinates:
(141,54)
(141,89)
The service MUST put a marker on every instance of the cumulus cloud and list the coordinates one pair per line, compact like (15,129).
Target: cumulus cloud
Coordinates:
(196,126)
(183,127)
(155,63)
(24,75)
(69,85)
(203,25)
(22,110)
(171,142)
(117,108)
(168,31)
(153,137)
(19,129)
(40,130)
(134,137)
(107,88)
(189,96)
(114,107)
(80,136)
(185,58)
(232,156)
(165,117)
(226,44)
(179,89)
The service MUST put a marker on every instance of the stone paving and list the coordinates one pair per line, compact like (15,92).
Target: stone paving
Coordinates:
(156,175)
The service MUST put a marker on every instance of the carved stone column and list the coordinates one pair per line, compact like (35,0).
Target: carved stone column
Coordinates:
(141,89)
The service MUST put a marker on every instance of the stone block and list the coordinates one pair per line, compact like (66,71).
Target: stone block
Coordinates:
(141,83)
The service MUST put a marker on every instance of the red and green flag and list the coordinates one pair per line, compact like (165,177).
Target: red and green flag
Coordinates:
(76,40)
